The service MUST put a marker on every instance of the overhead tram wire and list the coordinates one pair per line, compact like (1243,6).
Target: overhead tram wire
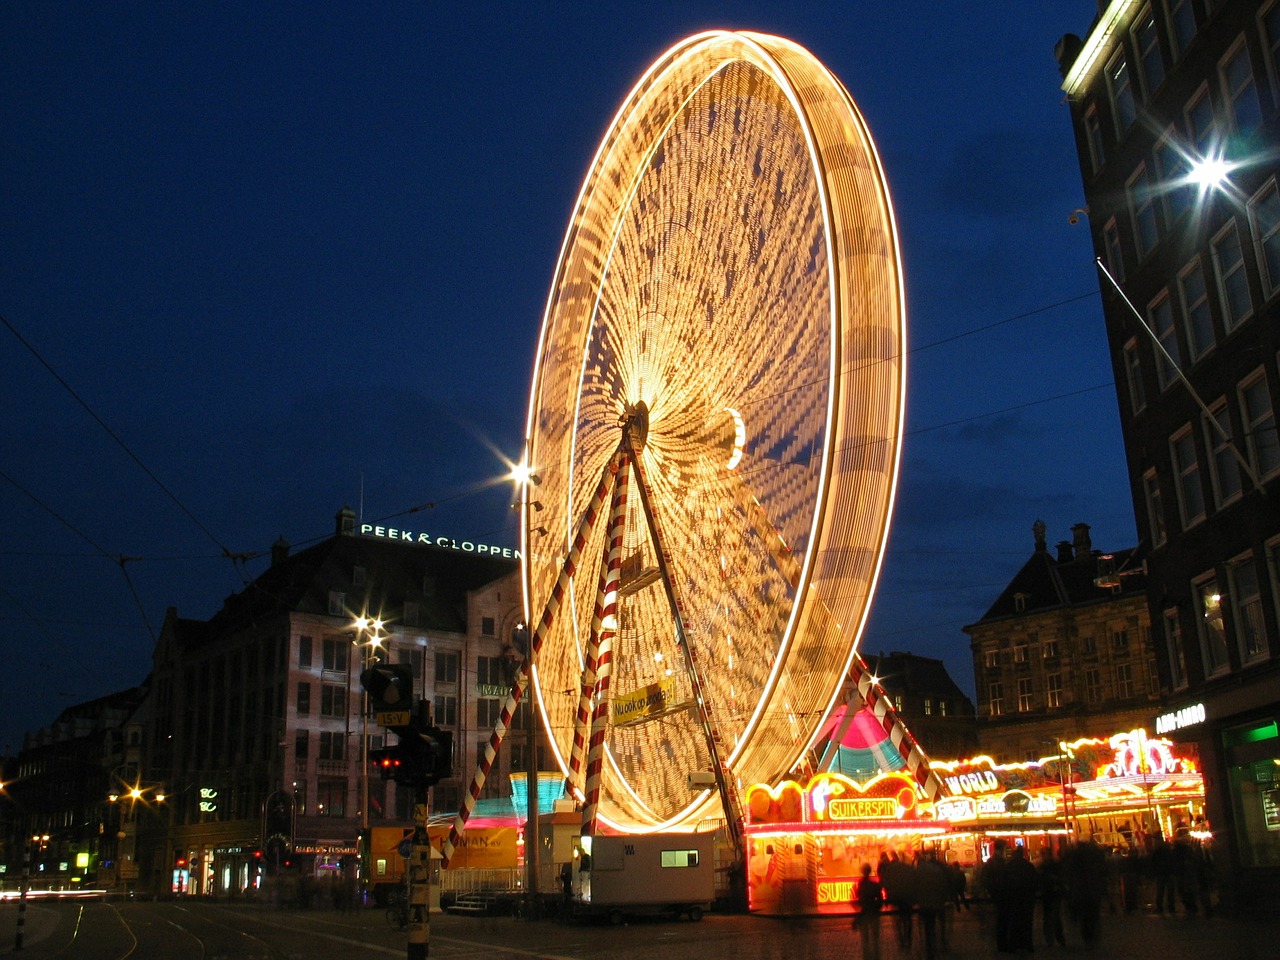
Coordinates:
(121,560)
(237,559)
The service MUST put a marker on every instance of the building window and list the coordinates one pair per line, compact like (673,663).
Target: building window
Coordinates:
(1112,250)
(304,653)
(1020,652)
(446,666)
(1241,92)
(1143,212)
(333,745)
(446,711)
(1093,137)
(1122,103)
(897,702)
(1271,39)
(1133,377)
(1120,640)
(1024,694)
(995,699)
(1246,611)
(487,627)
(1124,681)
(519,756)
(1168,359)
(1195,310)
(301,744)
(333,700)
(304,699)
(1053,691)
(1261,441)
(1225,469)
(1146,41)
(1181,17)
(1264,221)
(928,706)
(331,797)
(337,654)
(1155,508)
(1088,644)
(1201,125)
(942,708)
(337,603)
(1213,632)
(1173,649)
(489,672)
(412,613)
(1174,171)
(488,710)
(1187,469)
(1050,649)
(1228,271)
(1093,685)
(991,658)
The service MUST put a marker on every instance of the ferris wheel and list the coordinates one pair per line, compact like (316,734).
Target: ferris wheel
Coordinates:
(714,429)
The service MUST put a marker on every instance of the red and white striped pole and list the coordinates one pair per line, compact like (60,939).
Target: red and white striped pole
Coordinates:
(520,686)
(608,603)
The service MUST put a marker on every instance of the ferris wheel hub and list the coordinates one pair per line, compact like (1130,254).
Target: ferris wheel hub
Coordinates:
(635,424)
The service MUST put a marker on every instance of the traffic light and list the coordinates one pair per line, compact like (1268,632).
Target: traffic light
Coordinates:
(390,689)
(440,749)
(418,760)
(387,762)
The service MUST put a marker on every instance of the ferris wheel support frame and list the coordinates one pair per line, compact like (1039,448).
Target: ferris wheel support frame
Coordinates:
(520,685)
(728,795)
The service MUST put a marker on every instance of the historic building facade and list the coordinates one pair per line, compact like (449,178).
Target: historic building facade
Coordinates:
(1176,111)
(257,716)
(1065,651)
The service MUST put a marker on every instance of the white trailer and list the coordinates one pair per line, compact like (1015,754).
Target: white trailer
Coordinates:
(656,873)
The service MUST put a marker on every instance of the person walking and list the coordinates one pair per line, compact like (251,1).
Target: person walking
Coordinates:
(995,882)
(1022,882)
(898,878)
(868,901)
(933,890)
(1052,889)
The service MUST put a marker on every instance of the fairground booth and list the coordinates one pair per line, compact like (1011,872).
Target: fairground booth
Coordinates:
(806,842)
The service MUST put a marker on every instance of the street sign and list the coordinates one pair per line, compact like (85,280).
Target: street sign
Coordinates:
(392,718)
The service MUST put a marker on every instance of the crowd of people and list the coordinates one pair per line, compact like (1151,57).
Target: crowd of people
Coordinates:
(1072,886)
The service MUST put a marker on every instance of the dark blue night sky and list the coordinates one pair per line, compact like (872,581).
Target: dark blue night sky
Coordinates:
(295,256)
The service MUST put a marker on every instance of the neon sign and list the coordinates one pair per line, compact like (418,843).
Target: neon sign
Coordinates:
(426,539)
(980,781)
(1181,719)
(1136,755)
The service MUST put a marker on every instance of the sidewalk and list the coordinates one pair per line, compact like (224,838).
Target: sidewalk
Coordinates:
(1137,936)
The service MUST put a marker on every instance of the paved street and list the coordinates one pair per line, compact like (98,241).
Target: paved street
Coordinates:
(195,929)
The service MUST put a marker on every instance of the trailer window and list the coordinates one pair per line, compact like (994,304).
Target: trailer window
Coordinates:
(679,858)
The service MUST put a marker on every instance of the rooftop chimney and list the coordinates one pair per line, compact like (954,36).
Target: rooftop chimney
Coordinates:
(1037,530)
(1064,551)
(279,551)
(346,522)
(1083,545)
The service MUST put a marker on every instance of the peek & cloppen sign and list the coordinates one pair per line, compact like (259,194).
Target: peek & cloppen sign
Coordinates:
(432,540)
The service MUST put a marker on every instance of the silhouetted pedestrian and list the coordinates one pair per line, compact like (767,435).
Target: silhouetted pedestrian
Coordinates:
(868,901)
(1023,883)
(1051,892)
(933,890)
(995,882)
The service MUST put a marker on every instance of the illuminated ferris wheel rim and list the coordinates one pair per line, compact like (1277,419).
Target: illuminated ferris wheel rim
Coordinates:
(672,63)
(731,48)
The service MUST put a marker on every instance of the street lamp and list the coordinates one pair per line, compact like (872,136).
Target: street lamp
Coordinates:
(369,639)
